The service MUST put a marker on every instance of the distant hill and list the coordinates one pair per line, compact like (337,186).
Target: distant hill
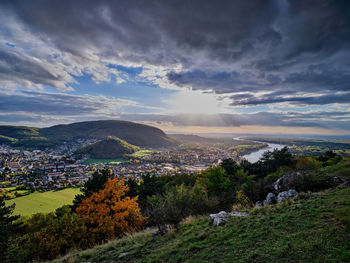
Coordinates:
(134,133)
(111,147)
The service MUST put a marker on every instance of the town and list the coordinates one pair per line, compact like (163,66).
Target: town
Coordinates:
(26,171)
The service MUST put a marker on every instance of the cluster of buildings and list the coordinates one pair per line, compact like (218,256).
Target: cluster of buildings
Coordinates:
(56,169)
(39,170)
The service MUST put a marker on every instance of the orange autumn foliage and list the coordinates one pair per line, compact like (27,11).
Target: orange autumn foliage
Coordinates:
(109,213)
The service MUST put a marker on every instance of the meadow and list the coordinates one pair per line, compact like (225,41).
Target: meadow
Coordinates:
(137,154)
(43,202)
(314,228)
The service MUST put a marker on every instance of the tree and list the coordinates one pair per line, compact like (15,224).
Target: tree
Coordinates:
(230,166)
(215,181)
(47,236)
(93,185)
(109,213)
(169,208)
(8,227)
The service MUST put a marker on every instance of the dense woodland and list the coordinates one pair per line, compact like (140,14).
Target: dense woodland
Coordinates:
(110,207)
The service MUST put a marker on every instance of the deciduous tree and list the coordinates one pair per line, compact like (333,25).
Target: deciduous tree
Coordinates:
(110,213)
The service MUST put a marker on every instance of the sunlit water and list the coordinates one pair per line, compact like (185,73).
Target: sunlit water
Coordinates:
(255,156)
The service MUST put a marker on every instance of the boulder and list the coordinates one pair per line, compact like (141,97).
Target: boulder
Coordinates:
(288,181)
(222,217)
(218,219)
(278,185)
(239,214)
(286,195)
(270,199)
(259,204)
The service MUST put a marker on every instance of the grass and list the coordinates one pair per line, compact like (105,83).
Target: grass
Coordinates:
(112,161)
(315,228)
(141,153)
(137,154)
(43,202)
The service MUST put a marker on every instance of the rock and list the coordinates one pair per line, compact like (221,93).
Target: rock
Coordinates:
(270,199)
(239,214)
(344,184)
(259,204)
(278,185)
(122,255)
(218,219)
(222,217)
(288,181)
(286,195)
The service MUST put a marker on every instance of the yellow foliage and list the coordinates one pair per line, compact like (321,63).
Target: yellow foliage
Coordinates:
(109,213)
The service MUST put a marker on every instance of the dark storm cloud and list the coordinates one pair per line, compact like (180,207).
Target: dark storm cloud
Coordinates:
(23,68)
(295,50)
(272,98)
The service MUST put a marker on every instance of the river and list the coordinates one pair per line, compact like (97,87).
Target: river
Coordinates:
(255,156)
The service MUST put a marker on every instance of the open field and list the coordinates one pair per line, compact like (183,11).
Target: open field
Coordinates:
(141,153)
(43,202)
(315,228)
(138,154)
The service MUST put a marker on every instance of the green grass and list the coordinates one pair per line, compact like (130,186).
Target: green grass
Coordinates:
(112,161)
(43,202)
(315,228)
(141,153)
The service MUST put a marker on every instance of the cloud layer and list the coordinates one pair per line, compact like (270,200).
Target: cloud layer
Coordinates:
(273,53)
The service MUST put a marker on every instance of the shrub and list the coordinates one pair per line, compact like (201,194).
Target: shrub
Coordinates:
(242,199)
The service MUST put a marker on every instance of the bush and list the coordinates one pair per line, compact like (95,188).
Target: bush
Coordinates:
(242,199)
(47,236)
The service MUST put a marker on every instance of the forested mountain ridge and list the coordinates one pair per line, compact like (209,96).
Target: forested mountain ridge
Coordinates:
(134,133)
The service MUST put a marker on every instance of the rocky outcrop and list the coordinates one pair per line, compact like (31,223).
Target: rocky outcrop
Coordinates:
(222,217)
(271,198)
(288,181)
(290,194)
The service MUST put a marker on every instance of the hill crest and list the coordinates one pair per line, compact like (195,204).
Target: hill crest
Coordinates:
(111,147)
(134,133)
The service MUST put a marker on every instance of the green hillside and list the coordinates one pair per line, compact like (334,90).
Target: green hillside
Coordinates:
(134,133)
(315,228)
(109,148)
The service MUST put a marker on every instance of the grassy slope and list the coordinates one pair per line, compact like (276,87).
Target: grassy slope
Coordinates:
(43,202)
(316,231)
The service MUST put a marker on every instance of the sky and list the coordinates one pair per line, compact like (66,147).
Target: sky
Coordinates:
(279,66)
